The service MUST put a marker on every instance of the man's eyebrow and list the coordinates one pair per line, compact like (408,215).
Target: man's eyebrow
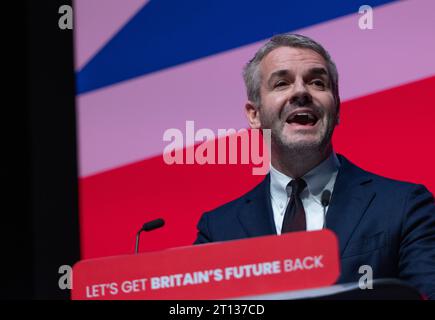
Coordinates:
(278,74)
(318,71)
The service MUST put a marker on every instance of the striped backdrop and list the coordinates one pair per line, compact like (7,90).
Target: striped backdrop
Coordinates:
(146,66)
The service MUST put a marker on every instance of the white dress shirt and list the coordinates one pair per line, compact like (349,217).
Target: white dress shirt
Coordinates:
(319,179)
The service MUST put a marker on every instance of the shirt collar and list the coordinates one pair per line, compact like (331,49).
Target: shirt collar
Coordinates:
(317,179)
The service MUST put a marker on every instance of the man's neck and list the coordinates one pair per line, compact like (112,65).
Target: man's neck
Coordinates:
(297,164)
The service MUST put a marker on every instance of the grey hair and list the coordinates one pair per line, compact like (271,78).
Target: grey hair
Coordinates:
(252,74)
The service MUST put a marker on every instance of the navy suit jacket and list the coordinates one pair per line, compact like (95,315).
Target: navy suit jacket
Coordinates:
(386,224)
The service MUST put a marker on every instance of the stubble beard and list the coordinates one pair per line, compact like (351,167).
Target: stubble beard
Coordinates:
(285,148)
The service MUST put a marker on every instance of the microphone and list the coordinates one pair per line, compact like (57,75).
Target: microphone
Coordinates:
(325,199)
(148,226)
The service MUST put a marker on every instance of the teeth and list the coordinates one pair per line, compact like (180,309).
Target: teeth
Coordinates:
(309,115)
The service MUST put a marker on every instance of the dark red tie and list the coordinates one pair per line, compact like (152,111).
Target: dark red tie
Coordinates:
(294,218)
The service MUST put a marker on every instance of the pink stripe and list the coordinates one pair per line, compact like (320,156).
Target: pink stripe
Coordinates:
(96,21)
(125,123)
(399,49)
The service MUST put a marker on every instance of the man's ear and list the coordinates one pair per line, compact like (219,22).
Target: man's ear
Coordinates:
(253,115)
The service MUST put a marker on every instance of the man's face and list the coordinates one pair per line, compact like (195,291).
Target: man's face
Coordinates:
(297,102)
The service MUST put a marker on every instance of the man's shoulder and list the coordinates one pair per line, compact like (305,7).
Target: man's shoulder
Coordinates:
(381,183)
(391,183)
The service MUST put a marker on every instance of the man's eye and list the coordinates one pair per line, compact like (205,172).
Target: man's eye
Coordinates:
(280,84)
(319,83)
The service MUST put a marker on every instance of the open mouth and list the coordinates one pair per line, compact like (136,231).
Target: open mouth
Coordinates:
(303,118)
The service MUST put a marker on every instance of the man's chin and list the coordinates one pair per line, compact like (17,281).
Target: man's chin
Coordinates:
(302,145)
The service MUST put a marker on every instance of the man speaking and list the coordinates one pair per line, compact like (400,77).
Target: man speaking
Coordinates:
(292,88)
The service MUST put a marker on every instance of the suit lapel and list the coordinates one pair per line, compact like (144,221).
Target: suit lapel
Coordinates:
(351,197)
(256,217)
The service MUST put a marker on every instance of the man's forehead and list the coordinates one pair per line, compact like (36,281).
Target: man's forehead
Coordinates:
(289,57)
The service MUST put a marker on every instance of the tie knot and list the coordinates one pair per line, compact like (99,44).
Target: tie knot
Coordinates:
(297,186)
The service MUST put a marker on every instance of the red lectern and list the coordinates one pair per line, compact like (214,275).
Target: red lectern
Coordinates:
(222,270)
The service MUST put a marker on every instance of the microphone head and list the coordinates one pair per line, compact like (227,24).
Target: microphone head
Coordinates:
(154,224)
(326,197)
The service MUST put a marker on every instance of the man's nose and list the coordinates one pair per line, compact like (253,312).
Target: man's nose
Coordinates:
(300,95)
